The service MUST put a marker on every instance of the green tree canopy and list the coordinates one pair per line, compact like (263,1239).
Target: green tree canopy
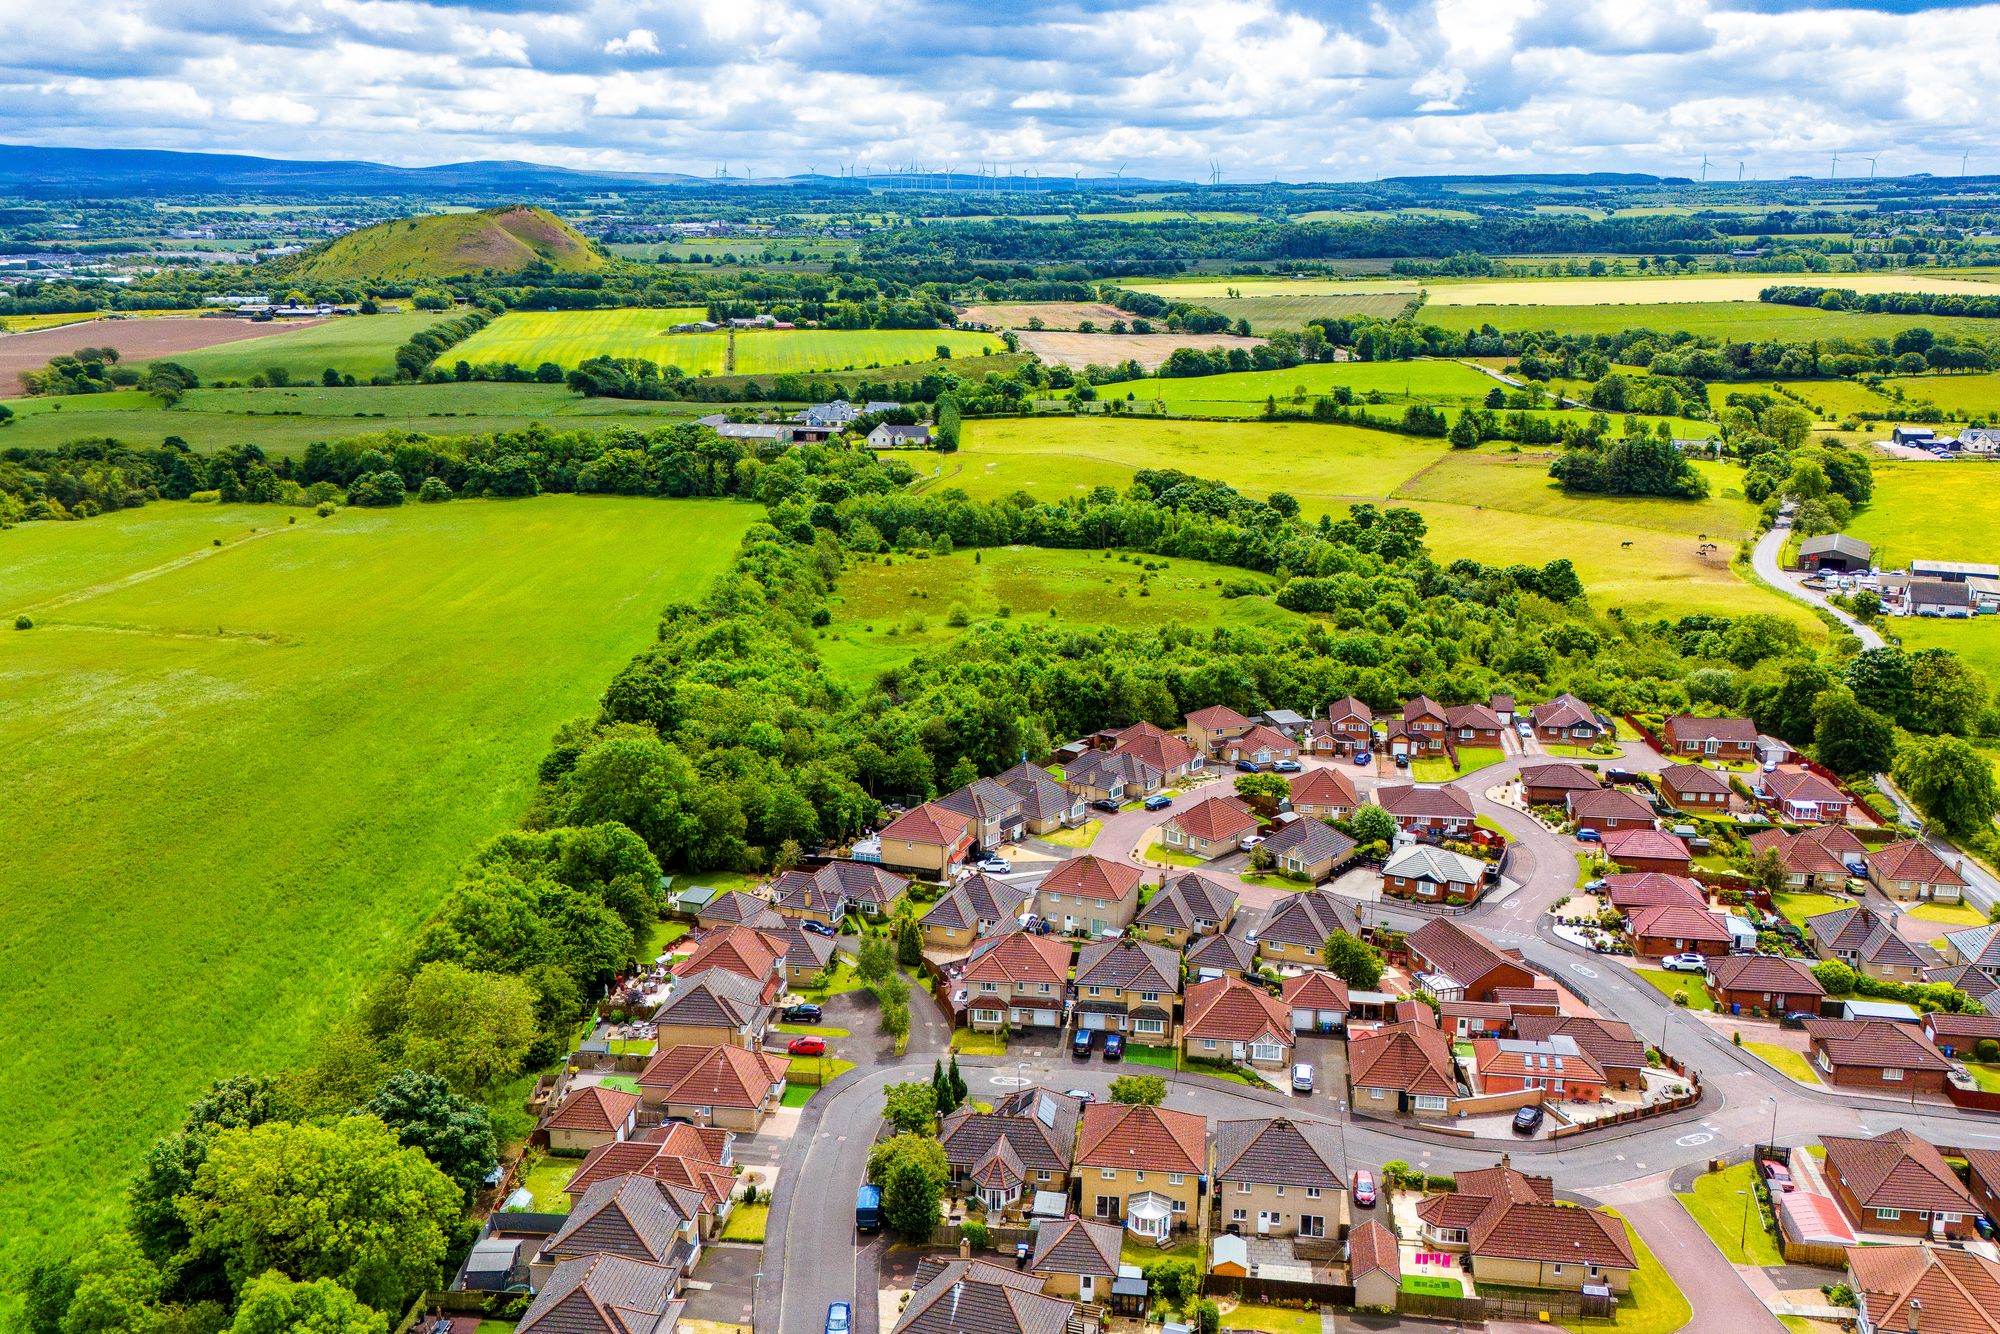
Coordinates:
(1352,960)
(911,1108)
(912,1202)
(1949,781)
(471,1028)
(454,1132)
(1140,1090)
(274,1304)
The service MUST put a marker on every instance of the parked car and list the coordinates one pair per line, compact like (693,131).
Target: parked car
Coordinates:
(1081,1095)
(838,1317)
(1364,757)
(1247,767)
(1524,727)
(1596,886)
(1158,802)
(1081,1042)
(1684,963)
(1794,1019)
(1364,1188)
(1251,840)
(1777,1175)
(1302,1078)
(1528,1120)
(820,929)
(807,1046)
(805,1012)
(1402,761)
(1589,836)
(1114,1046)
(1287,766)
(1105,804)
(997,866)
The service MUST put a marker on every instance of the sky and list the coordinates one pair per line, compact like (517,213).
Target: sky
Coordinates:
(1259,89)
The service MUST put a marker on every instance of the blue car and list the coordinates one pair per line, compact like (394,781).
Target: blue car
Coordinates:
(1114,1046)
(1158,802)
(1080,1043)
(838,1317)
(1589,836)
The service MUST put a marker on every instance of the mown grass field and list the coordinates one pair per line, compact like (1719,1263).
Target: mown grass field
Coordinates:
(363,346)
(239,775)
(1964,397)
(773,352)
(529,338)
(1267,314)
(1520,483)
(1902,520)
(30,323)
(1297,386)
(1834,399)
(1720,319)
(887,613)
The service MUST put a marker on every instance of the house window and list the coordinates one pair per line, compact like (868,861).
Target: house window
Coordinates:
(1208,1044)
(1094,991)
(989,986)
(1107,1173)
(1281,1192)
(704,1112)
(1426,1102)
(1312,1192)
(1138,1176)
(1176,1178)
(1312,1225)
(1151,1026)
(1242,1188)
(1888,1215)
(1557,1271)
(1893,1076)
(1149,995)
(1043,1175)
(1180,1206)
(1238,1215)
(1376,1094)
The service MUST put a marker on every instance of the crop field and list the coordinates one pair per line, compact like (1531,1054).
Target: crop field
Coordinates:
(136,341)
(30,323)
(1963,397)
(568,338)
(1683,288)
(1903,519)
(774,352)
(1400,381)
(1719,319)
(1207,290)
(1977,641)
(238,775)
(363,346)
(1267,314)
(890,610)
(1052,314)
(1077,350)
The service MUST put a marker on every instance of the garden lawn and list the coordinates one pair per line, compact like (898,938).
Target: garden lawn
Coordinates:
(1160,852)
(363,346)
(1163,1058)
(328,717)
(1080,837)
(1652,1306)
(1270,1319)
(1136,1252)
(1986,1076)
(969,1042)
(1471,759)
(1797,908)
(845,979)
(1952,914)
(1432,1285)
(545,1181)
(1784,1060)
(1717,1203)
(1431,769)
(1687,984)
(811,1030)
(746,1222)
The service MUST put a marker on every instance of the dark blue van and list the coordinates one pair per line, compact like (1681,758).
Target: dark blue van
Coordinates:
(868,1209)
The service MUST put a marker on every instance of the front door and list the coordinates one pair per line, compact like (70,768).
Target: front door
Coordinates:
(1107,1206)
(1086,1287)
(1264,1221)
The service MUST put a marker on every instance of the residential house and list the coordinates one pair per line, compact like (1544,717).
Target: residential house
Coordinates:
(1933,597)
(751,954)
(1423,728)
(1695,788)
(1555,1067)
(1473,725)
(1607,809)
(885,436)
(1675,928)
(1923,1288)
(1819,858)
(1568,720)
(1801,795)
(1710,738)
(1519,1237)
(1186,905)
(1867,942)
(1428,874)
(1349,728)
(1763,984)
(1835,551)
(1104,775)
(1456,964)
(1975,947)
(978,905)
(1959,1035)
(590,1117)
(1610,1043)
(1077,1258)
(1143,1166)
(1974,982)
(1503,709)
(807,954)
(1876,1054)
(1525,1001)
(605,1294)
(1374,1266)
(1982,1179)
(1308,848)
(1128,986)
(1262,746)
(1898,1184)
(1648,850)
(697,1158)
(1221,955)
(1317,1001)
(828,893)
(1475,1019)
(1403,1067)
(994,809)
(1209,829)
(1090,894)
(954,1296)
(1284,1177)
(1228,1019)
(714,1007)
(1428,811)
(1628,890)
(1016,980)
(1296,931)
(1024,1145)
(1208,729)
(1046,805)
(927,840)
(634,1218)
(735,908)
(714,1086)
(1911,871)
(1324,794)
(1175,759)
(1289,721)
(1552,784)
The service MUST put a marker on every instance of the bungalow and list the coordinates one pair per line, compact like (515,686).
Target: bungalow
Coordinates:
(1016,979)
(1801,795)
(1898,1184)
(1318,1001)
(952,1296)
(1429,874)
(1695,788)
(1835,551)
(1349,728)
(1077,1258)
(735,908)
(835,889)
(1975,946)
(1228,1019)
(1143,1165)
(1409,1064)
(1287,1177)
(700,1159)
(1473,725)
(1675,928)
(1308,848)
(1898,1288)
(1423,728)
(1648,850)
(1954,1034)
(1518,1236)
(1297,929)
(1104,775)
(1324,794)
(1261,746)
(1932,597)
(1982,1178)
(1046,805)
(1554,1066)
(633,1218)
(1160,749)
(714,1007)
(1456,964)
(928,840)
(1711,738)
(1911,871)
(714,1086)
(1187,905)
(601,1293)
(1567,719)
(978,905)
(1221,955)
(1609,1043)
(1208,729)
(1819,858)
(1428,811)
(591,1117)
(1209,829)
(1763,984)
(1607,809)
(1643,889)
(1089,894)
(1128,986)
(885,436)
(1874,1053)
(1374,1266)
(1867,942)
(1553,784)
(1974,982)
(1022,1146)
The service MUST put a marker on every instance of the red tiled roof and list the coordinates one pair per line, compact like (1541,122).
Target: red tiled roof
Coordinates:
(1461,954)
(1217,717)
(1370,1247)
(1476,716)
(1323,787)
(1896,1170)
(1645,844)
(1230,1009)
(1642,889)
(1260,736)
(742,950)
(1510,1215)
(1911,860)
(1215,820)
(1343,709)
(713,1076)
(1411,1058)
(930,824)
(1956,1292)
(1678,921)
(1418,800)
(1314,990)
(595,1108)
(1152,1139)
(1682,728)
(1764,972)
(1687,779)
(1819,851)
(1608,803)
(1019,957)
(1801,785)
(1880,1044)
(1163,750)
(1563,711)
(1564,775)
(1093,877)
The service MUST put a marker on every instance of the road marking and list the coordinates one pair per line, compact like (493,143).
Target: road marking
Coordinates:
(1690,1141)
(1010,1081)
(1582,971)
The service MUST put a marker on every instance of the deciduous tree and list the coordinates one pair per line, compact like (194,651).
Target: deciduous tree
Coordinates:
(274,1304)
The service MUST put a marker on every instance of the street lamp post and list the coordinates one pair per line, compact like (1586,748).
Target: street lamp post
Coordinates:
(1773,1100)
(1743,1235)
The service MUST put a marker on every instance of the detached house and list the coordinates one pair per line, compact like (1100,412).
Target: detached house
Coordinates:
(1308,848)
(1954,1034)
(1898,1184)
(978,905)
(1473,725)
(1455,964)
(735,908)
(1221,955)
(1046,805)
(1016,979)
(1554,1066)
(1552,784)
(927,840)
(1262,746)
(1209,729)
(1187,905)
(1143,1166)
(1608,809)
(633,1218)
(1348,729)
(1128,986)
(1090,894)
(1324,794)
(605,1294)
(1517,1235)
(1282,1177)
(1173,757)
(591,1117)
(1648,850)
(1569,721)
(954,1296)
(1910,871)
(995,812)
(1022,1146)
(696,1158)
(1711,738)
(1077,1257)
(1867,942)
(757,956)
(1628,890)
(1610,1043)
(1801,796)
(714,1007)
(1876,1054)
(1231,1020)
(1297,929)
(1821,858)
(1105,775)
(1436,812)
(1405,1067)
(714,1086)
(1897,1288)
(807,954)
(1675,928)
(1209,829)
(1763,984)
(1695,788)
(1429,874)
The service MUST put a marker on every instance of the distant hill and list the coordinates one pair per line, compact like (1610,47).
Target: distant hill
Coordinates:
(441,245)
(60,172)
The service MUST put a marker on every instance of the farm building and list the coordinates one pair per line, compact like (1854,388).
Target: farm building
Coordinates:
(1835,551)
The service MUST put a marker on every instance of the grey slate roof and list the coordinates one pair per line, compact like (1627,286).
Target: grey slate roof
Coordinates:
(1078,1246)
(1185,899)
(633,1216)
(714,997)
(1307,919)
(1039,1124)
(975,899)
(1838,544)
(1104,769)
(974,1297)
(1310,841)
(1866,933)
(1041,796)
(1279,1151)
(605,1294)
(1421,861)
(1223,953)
(1128,965)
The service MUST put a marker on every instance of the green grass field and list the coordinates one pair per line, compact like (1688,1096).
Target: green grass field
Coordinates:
(1902,519)
(529,338)
(359,345)
(1397,381)
(1670,984)
(1963,397)
(1721,319)
(1720,1203)
(239,775)
(1784,1060)
(774,352)
(1521,483)
(1267,314)
(1799,908)
(1834,399)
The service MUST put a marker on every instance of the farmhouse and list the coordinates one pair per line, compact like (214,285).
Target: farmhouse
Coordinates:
(1431,875)
(1209,829)
(1711,738)
(1436,812)
(1228,1019)
(1552,784)
(1934,597)
(1089,893)
(1187,905)
(1695,788)
(885,436)
(1835,551)
(1307,848)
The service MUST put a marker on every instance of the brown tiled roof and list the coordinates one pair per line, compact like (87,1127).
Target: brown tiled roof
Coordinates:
(682,1157)
(982,799)
(929,824)
(1679,921)
(1956,1292)
(1683,727)
(1041,1125)
(1423,706)
(1818,851)
(1522,998)
(595,1108)
(1973,980)
(1510,1215)
(1350,707)
(1453,1009)
(1093,877)
(1309,840)
(1880,1044)
(1308,918)
(1865,932)
(1973,1026)
(1163,750)
(1423,799)
(713,998)
(738,907)
(1460,954)
(1106,769)
(1231,1010)
(1689,779)
(713,1076)
(1609,1042)
(1186,898)
(1276,1150)
(1411,1058)
(636,1217)
(1896,1170)
(1801,785)
(1608,803)
(1641,889)
(1563,711)
(1042,797)
(1647,844)
(974,1297)
(742,950)
(1314,990)
(1563,775)
(1019,957)
(1911,860)
(1764,972)
(1323,787)
(1078,1246)
(1152,1139)
(1128,965)
(1370,1247)
(975,899)
(1220,951)
(605,1294)
(1215,819)
(1217,717)
(1476,716)
(1261,736)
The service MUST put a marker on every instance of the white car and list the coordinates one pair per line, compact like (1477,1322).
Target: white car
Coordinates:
(1684,963)
(997,866)
(1302,1079)
(1252,841)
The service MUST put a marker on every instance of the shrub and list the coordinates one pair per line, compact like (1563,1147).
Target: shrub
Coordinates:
(1988,1050)
(22,622)
(977,1234)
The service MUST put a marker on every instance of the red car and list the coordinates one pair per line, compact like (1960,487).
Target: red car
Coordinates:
(1775,1173)
(807,1047)
(1364,1189)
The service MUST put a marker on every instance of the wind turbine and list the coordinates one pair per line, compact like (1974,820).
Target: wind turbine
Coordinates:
(1214,172)
(1961,161)
(1739,173)
(1833,170)
(1871,168)
(1704,167)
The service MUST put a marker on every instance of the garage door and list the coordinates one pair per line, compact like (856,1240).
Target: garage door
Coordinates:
(1331,1019)
(1302,1021)
(1093,1020)
(1045,1018)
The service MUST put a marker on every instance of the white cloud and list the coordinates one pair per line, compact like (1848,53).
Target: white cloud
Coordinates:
(638,42)
(270,109)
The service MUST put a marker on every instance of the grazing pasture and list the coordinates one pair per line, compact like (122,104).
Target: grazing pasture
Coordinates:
(363,346)
(239,775)
(1077,350)
(774,352)
(1960,397)
(567,338)
(1297,386)
(1718,319)
(136,341)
